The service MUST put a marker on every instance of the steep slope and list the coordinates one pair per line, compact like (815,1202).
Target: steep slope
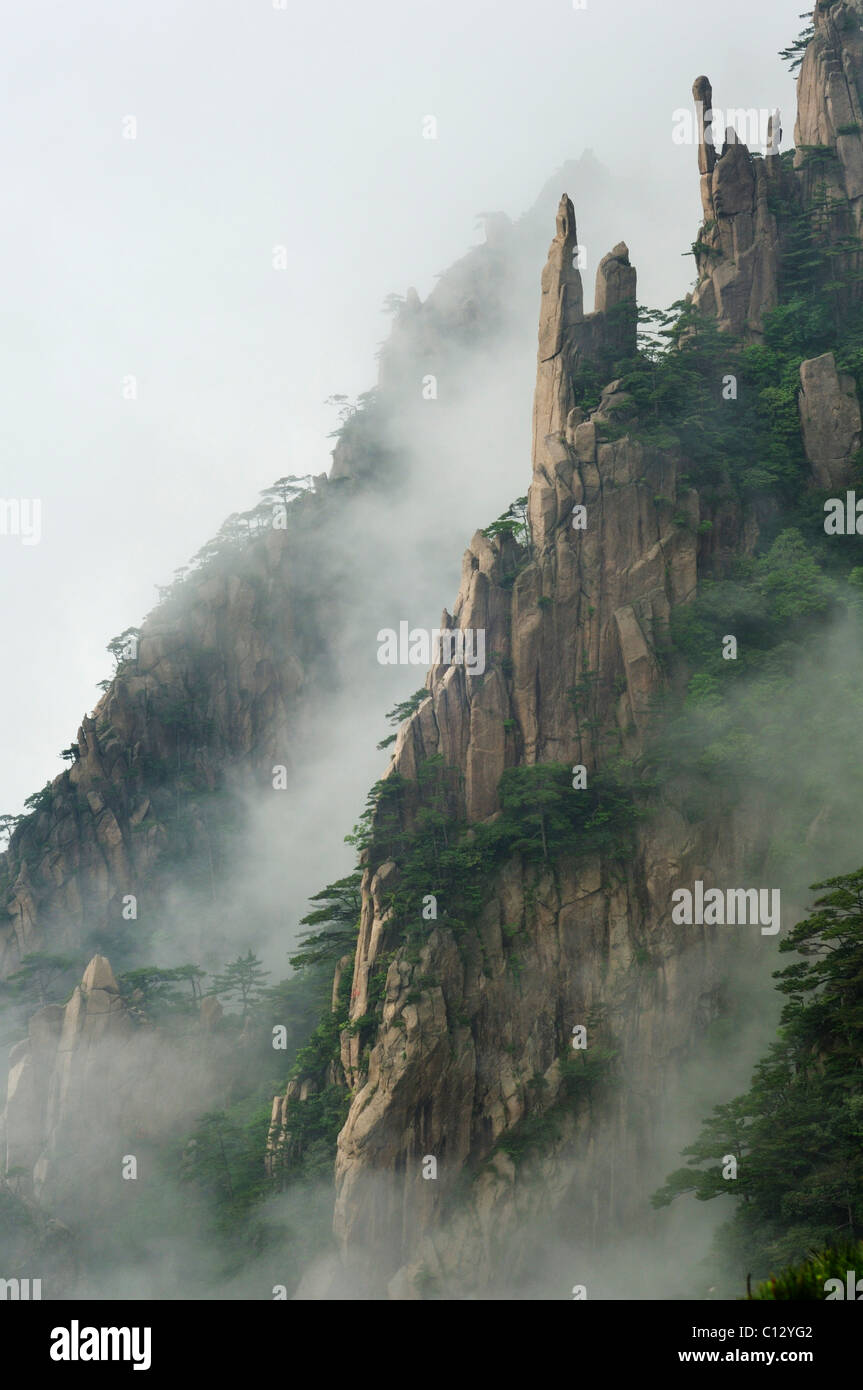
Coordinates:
(209,682)
(475,1132)
(511,1034)
(228,670)
(462,1062)
(164,841)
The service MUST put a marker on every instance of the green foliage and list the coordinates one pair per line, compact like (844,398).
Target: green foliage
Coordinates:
(588,384)
(792,582)
(806,1282)
(118,646)
(402,711)
(38,980)
(225,1162)
(585,1074)
(307,1151)
(393,303)
(40,801)
(773,599)
(586,1071)
(535,1132)
(243,979)
(153,995)
(415,826)
(323,1047)
(793,54)
(313,1127)
(751,446)
(338,917)
(797,1134)
(733,448)
(358,420)
(284,491)
(542,818)
(512,523)
(758,712)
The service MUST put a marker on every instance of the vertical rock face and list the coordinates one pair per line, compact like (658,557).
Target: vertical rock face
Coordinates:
(576,623)
(739,248)
(229,667)
(737,251)
(615,282)
(830,420)
(61,1087)
(24,1118)
(90,1084)
(562,305)
(829,130)
(460,1045)
(211,685)
(462,1050)
(568,339)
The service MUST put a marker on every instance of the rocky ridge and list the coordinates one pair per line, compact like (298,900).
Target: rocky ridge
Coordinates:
(454,1064)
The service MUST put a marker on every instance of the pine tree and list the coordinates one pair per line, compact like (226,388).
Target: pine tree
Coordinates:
(242,978)
(338,916)
(35,980)
(797,1134)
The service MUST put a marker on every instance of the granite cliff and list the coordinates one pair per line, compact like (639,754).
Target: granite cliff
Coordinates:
(456,1056)
(503,1048)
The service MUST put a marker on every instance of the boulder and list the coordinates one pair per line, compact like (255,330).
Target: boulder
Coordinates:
(830,421)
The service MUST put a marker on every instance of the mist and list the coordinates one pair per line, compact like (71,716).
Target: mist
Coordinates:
(161,370)
(151,257)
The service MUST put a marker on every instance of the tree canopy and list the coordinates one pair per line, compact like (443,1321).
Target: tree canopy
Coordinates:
(797,1133)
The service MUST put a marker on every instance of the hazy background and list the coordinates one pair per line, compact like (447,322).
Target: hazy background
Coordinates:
(302,128)
(259,127)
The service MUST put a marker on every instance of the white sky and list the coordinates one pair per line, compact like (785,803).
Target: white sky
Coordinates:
(152,256)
